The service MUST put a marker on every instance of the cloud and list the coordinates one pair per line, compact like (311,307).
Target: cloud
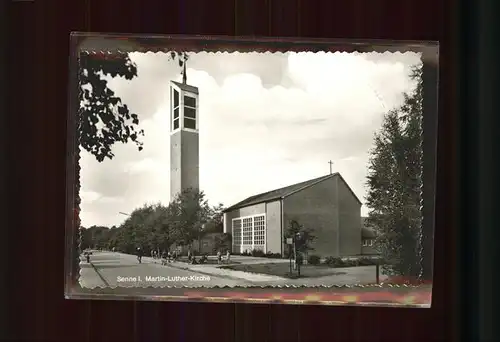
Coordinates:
(261,127)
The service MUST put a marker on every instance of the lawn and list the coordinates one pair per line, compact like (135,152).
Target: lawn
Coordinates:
(283,270)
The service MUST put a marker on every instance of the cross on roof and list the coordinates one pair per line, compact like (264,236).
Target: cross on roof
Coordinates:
(331,163)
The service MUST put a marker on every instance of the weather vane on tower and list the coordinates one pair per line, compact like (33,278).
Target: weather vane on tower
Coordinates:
(184,76)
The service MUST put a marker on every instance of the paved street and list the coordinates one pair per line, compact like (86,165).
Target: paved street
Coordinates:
(123,270)
(116,269)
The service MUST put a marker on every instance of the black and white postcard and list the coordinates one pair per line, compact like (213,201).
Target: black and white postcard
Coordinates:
(250,169)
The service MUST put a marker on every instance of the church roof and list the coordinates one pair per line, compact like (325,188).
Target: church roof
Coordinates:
(283,192)
(186,87)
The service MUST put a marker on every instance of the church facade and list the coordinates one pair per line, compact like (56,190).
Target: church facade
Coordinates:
(326,205)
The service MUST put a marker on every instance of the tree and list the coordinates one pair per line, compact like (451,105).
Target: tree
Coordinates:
(223,242)
(190,211)
(215,222)
(139,228)
(294,228)
(155,226)
(94,237)
(162,223)
(85,238)
(103,119)
(394,182)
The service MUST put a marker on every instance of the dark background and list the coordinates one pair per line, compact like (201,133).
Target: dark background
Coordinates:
(37,71)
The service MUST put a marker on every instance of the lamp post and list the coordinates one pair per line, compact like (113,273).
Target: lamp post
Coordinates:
(297,241)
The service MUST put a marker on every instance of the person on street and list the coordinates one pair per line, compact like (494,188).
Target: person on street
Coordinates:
(164,257)
(139,254)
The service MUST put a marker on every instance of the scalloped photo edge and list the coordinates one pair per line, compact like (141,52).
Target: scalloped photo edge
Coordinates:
(266,238)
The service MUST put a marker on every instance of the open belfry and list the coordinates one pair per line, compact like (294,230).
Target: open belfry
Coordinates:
(184,136)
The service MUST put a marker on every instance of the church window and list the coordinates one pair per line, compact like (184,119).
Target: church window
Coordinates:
(189,112)
(249,233)
(190,101)
(237,232)
(367,243)
(259,232)
(176,98)
(175,110)
(189,123)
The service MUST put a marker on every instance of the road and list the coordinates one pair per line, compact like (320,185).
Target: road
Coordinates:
(123,270)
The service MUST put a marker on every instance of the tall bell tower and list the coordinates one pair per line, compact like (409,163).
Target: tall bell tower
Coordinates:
(184,136)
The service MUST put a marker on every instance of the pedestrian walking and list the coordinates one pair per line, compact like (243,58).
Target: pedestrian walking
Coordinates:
(164,257)
(139,254)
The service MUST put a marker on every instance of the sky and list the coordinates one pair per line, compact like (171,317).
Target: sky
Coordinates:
(267,120)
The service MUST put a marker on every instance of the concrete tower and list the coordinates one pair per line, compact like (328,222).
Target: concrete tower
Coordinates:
(184,137)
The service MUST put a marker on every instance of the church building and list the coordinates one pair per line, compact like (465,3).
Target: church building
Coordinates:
(327,205)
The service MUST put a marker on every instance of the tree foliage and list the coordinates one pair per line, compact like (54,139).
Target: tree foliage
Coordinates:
(103,118)
(223,242)
(394,182)
(155,226)
(294,228)
(192,213)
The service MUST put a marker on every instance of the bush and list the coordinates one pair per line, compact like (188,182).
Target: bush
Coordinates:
(258,253)
(334,261)
(364,261)
(273,255)
(313,259)
(339,262)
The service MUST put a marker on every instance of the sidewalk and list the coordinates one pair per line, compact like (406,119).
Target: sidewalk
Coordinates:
(351,276)
(215,270)
(89,277)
